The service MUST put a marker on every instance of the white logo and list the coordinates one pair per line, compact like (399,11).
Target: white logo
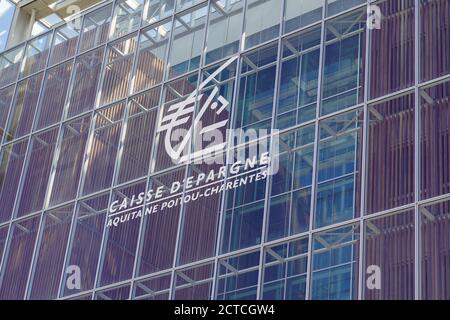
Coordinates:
(180,113)
(374,16)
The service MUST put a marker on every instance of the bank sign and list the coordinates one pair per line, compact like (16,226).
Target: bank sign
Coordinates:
(195,131)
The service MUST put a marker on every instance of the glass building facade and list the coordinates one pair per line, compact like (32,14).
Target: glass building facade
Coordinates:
(363,115)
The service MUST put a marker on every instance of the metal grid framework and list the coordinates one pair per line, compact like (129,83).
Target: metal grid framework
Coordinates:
(220,260)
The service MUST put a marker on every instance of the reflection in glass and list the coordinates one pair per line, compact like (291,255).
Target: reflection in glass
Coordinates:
(335,264)
(285,271)
(300,13)
(64,42)
(262,21)
(126,17)
(36,55)
(95,28)
(194,283)
(155,10)
(10,62)
(299,78)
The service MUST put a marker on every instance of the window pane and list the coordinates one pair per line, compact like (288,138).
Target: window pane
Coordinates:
(157,288)
(392,57)
(105,143)
(138,143)
(24,107)
(390,246)
(6,96)
(434,148)
(11,162)
(289,213)
(256,89)
(183,4)
(159,235)
(262,21)
(151,63)
(121,293)
(10,62)
(434,37)
(435,229)
(339,181)
(126,17)
(121,239)
(64,42)
(3,235)
(343,70)
(299,77)
(37,172)
(390,178)
(224,29)
(83,89)
(70,162)
(36,55)
(155,10)
(300,13)
(238,277)
(194,283)
(187,42)
(335,264)
(50,253)
(84,249)
(95,28)
(336,6)
(17,263)
(53,95)
(117,71)
(285,271)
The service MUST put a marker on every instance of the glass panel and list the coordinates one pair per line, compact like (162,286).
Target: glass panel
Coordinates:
(392,57)
(6,96)
(194,283)
(256,89)
(155,10)
(187,42)
(224,29)
(70,162)
(7,9)
(50,253)
(335,264)
(343,82)
(434,38)
(300,13)
(285,271)
(390,248)
(83,89)
(299,77)
(258,29)
(157,288)
(435,246)
(84,246)
(138,143)
(95,28)
(10,62)
(175,93)
(151,63)
(105,144)
(3,235)
(120,293)
(339,181)
(159,235)
(117,71)
(16,264)
(11,162)
(24,107)
(121,239)
(183,4)
(64,42)
(36,55)
(336,6)
(390,177)
(290,203)
(435,142)
(36,172)
(126,17)
(238,277)
(53,95)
